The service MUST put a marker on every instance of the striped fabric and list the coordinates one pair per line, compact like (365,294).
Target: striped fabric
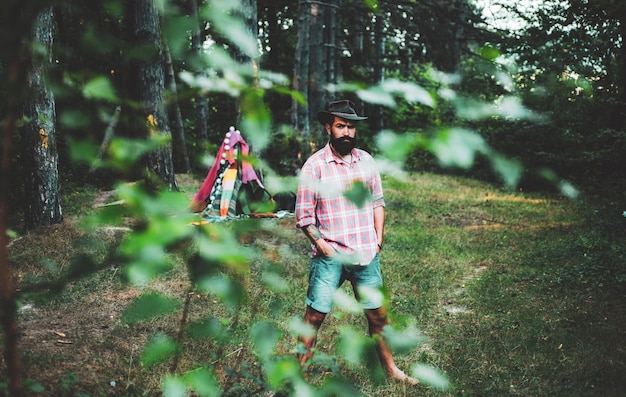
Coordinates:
(228,185)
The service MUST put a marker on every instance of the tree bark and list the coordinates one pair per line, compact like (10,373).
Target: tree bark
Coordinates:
(379,70)
(42,201)
(201,102)
(179,144)
(311,67)
(300,112)
(150,88)
(319,62)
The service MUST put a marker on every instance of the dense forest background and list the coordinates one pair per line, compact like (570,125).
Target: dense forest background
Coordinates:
(542,85)
(528,94)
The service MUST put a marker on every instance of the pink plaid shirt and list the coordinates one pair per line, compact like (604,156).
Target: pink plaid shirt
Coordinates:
(320,201)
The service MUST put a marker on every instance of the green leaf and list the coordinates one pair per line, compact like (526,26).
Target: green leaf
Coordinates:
(264,337)
(231,293)
(298,327)
(100,88)
(377,96)
(489,52)
(159,349)
(431,376)
(256,119)
(345,301)
(353,346)
(339,387)
(274,282)
(171,31)
(203,382)
(411,92)
(509,170)
(82,151)
(568,190)
(232,28)
(148,307)
(282,369)
(208,328)
(395,146)
(146,262)
(372,4)
(358,193)
(173,386)
(457,147)
(74,119)
(402,342)
(125,152)
(226,252)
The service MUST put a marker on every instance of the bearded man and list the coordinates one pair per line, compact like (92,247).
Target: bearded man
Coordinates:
(346,235)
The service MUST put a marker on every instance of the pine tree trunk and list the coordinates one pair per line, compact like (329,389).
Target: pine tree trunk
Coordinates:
(379,49)
(181,158)
(150,87)
(621,61)
(300,112)
(41,159)
(319,63)
(201,102)
(311,68)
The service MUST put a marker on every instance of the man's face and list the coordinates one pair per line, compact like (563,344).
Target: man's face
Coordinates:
(342,135)
(341,128)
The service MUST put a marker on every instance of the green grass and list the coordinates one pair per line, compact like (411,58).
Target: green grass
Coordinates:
(517,294)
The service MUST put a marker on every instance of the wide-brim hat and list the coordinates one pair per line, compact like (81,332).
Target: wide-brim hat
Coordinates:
(343,108)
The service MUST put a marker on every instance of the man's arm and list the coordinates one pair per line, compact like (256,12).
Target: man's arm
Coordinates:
(314,235)
(379,224)
(312,232)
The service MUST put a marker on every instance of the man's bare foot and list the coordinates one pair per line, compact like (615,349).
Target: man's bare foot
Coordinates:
(399,375)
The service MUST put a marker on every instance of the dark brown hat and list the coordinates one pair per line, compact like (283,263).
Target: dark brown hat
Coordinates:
(343,108)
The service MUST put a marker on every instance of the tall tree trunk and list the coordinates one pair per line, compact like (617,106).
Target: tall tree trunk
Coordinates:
(179,144)
(621,60)
(41,159)
(150,87)
(379,71)
(331,47)
(300,112)
(310,68)
(201,102)
(319,62)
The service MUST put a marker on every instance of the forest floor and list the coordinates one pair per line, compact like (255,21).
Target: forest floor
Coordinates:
(516,294)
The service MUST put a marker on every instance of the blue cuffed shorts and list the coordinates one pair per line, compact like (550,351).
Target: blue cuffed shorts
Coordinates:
(327,274)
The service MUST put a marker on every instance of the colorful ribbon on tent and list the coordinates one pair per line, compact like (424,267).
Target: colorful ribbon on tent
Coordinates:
(228,185)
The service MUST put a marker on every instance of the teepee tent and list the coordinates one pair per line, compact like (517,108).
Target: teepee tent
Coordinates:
(232,186)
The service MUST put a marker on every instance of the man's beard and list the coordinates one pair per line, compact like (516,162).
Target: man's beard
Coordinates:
(343,145)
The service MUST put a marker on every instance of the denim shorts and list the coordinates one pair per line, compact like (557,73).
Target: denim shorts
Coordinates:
(327,274)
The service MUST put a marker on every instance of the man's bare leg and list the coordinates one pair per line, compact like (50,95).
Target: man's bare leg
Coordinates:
(377,320)
(315,319)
